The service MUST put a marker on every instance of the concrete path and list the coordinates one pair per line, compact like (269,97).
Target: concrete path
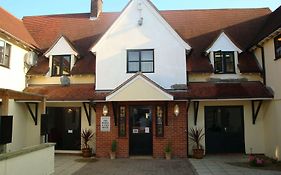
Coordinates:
(67,165)
(217,165)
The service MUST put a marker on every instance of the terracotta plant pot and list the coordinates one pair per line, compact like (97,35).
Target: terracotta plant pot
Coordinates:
(198,153)
(168,155)
(86,152)
(112,155)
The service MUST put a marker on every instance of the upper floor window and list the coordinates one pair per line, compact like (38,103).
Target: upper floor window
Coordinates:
(140,61)
(277,44)
(5,52)
(224,62)
(61,65)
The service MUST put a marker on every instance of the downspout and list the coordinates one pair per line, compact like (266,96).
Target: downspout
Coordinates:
(263,64)
(187,109)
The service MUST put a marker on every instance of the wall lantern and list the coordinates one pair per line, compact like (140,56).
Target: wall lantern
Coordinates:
(105,110)
(176,110)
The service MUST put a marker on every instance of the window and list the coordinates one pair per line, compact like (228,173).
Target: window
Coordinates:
(5,52)
(224,62)
(277,44)
(122,121)
(140,61)
(61,65)
(160,121)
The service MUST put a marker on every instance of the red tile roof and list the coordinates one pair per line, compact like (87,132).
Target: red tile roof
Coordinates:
(15,28)
(78,92)
(41,67)
(85,65)
(209,90)
(272,24)
(206,90)
(197,27)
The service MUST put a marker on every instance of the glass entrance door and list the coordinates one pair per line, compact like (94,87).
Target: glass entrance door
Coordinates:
(140,131)
(224,129)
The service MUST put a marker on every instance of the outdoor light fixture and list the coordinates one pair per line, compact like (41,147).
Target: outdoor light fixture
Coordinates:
(105,110)
(176,110)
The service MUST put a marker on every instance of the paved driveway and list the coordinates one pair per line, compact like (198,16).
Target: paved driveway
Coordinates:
(219,165)
(66,165)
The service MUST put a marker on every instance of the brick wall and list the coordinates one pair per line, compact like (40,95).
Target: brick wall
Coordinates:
(175,132)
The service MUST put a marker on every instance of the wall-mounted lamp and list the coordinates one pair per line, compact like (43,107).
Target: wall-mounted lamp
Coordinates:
(176,110)
(105,110)
(140,21)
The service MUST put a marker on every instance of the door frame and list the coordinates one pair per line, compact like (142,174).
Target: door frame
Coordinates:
(227,106)
(151,107)
(80,122)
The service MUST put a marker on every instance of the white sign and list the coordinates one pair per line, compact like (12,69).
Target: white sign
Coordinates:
(146,129)
(135,131)
(105,124)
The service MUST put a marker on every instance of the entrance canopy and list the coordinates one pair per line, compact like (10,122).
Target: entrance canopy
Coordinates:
(22,96)
(28,98)
(139,88)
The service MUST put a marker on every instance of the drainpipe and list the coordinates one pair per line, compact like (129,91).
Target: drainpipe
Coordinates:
(263,64)
(187,109)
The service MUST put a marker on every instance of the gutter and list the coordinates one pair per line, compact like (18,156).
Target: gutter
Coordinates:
(25,44)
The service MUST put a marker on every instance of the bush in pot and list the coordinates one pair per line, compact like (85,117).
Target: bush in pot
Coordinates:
(168,151)
(196,135)
(86,136)
(113,149)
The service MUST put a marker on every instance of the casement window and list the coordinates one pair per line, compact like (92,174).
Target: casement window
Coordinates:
(140,61)
(122,121)
(160,118)
(61,65)
(5,53)
(224,62)
(277,44)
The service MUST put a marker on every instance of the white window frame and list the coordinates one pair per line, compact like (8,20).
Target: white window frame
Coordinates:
(5,56)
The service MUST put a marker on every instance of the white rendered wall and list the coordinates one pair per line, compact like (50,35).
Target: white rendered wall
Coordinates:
(254,134)
(40,162)
(223,43)
(14,76)
(62,47)
(25,132)
(272,114)
(111,55)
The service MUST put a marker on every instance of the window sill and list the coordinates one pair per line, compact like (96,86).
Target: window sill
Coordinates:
(277,59)
(8,67)
(59,75)
(233,73)
(140,72)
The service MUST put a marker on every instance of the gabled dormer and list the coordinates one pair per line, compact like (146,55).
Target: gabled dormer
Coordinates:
(62,57)
(140,40)
(223,55)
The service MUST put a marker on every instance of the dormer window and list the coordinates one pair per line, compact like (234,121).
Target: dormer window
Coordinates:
(61,65)
(224,62)
(223,55)
(277,44)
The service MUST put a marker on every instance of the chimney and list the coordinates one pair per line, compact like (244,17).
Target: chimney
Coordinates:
(96,9)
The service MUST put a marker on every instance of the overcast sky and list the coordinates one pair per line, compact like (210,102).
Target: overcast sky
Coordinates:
(21,8)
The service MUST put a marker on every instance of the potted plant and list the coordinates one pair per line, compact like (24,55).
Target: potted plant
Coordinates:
(168,151)
(113,149)
(86,136)
(196,135)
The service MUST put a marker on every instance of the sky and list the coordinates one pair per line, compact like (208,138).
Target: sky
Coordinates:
(21,8)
